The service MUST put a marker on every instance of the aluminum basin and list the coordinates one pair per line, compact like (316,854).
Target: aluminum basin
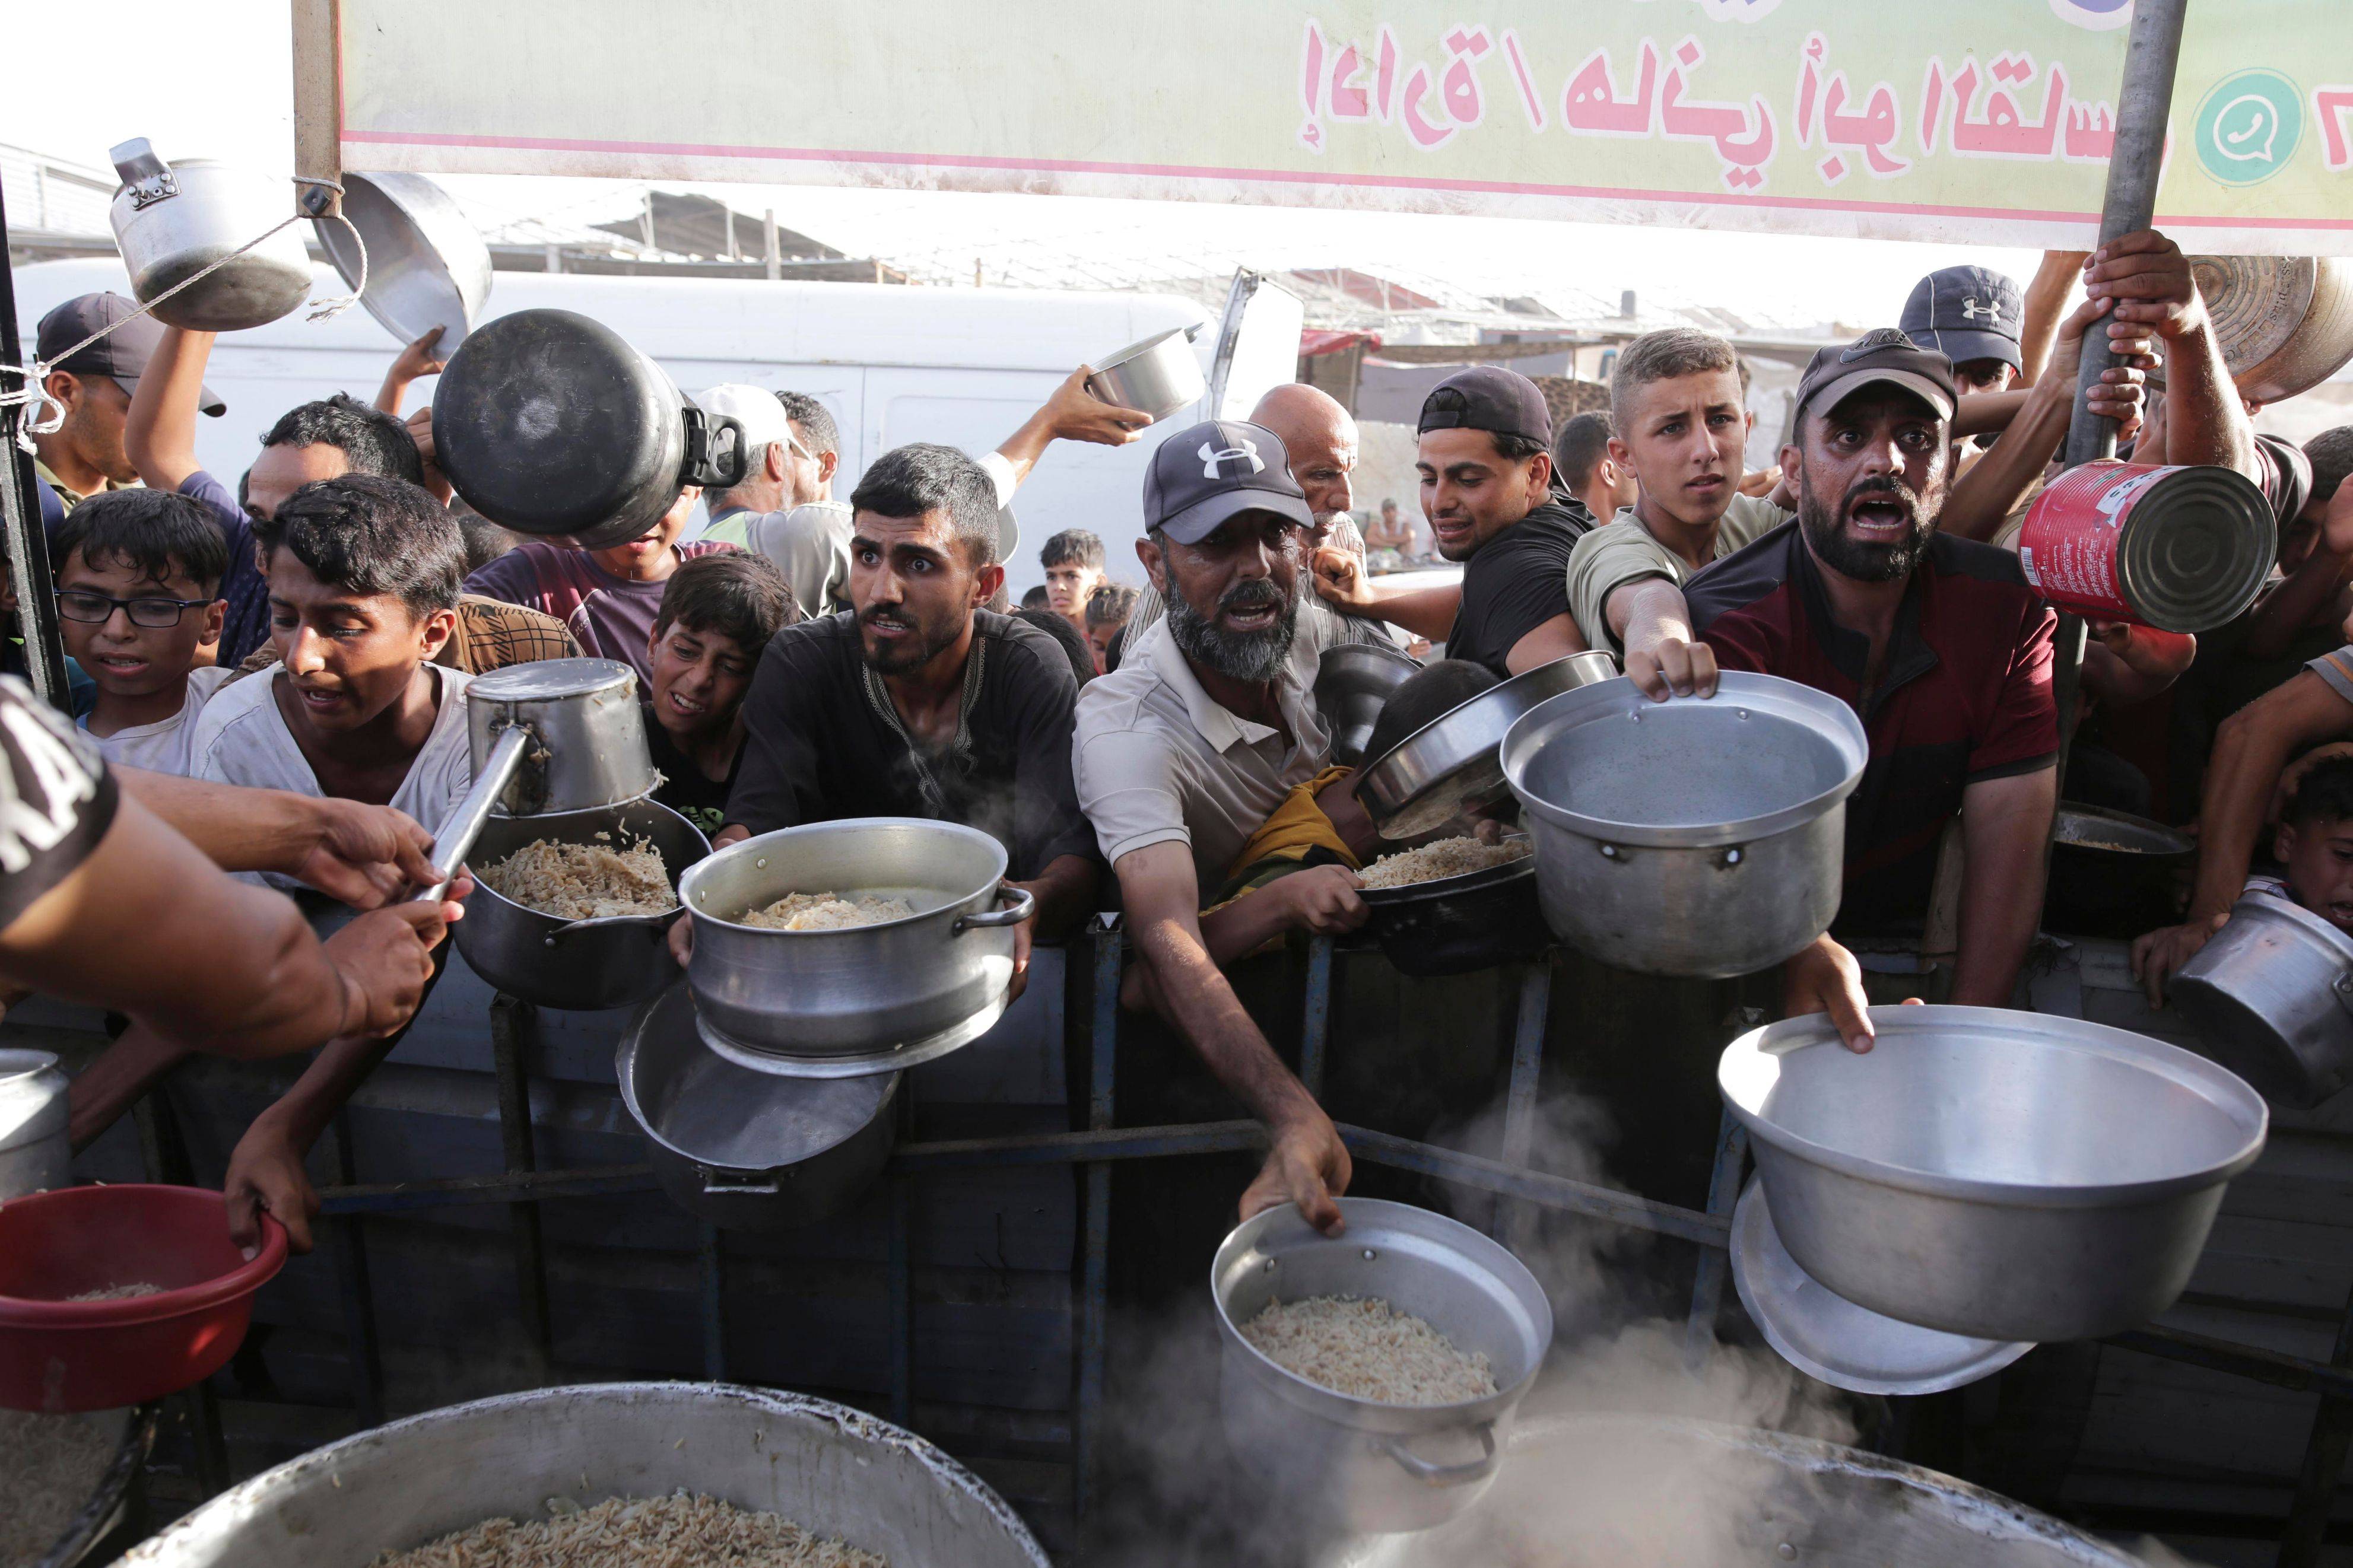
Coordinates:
(1610,1492)
(2272,996)
(861,991)
(1999,1174)
(823,1466)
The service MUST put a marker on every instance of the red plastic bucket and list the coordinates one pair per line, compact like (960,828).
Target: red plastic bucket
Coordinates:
(2181,549)
(57,1354)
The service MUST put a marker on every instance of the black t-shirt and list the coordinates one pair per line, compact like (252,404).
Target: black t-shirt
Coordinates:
(56,799)
(684,789)
(823,742)
(1518,582)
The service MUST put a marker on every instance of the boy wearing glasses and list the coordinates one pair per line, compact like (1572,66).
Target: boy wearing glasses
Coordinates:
(139,574)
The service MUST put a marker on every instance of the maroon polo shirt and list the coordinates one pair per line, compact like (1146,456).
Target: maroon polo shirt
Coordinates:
(1966,694)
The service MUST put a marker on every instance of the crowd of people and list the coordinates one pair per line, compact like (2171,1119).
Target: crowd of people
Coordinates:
(277,673)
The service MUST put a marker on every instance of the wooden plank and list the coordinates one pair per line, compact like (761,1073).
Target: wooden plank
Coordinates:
(319,99)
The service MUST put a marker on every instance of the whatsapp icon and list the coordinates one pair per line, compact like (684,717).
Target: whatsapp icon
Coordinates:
(2248,127)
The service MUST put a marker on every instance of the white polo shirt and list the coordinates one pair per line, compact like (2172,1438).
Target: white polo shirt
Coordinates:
(1158,760)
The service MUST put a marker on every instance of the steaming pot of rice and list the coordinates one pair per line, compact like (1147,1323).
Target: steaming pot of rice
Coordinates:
(839,948)
(809,1482)
(1374,1374)
(573,909)
(1455,905)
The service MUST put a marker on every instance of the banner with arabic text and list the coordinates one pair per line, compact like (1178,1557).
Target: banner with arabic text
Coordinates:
(1988,121)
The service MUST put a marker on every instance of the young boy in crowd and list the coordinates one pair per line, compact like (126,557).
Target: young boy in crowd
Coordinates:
(717,612)
(2314,844)
(1108,609)
(139,576)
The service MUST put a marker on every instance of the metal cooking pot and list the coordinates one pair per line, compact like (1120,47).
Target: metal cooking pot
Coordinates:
(1376,1467)
(1448,768)
(1702,838)
(2271,995)
(426,264)
(1352,681)
(822,1004)
(1453,925)
(589,727)
(2111,871)
(34,1153)
(1606,1491)
(108,1500)
(551,424)
(615,960)
(1158,376)
(1999,1175)
(2285,323)
(172,220)
(828,1468)
(744,1150)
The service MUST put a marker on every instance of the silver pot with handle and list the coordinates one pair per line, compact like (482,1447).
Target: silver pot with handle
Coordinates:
(1448,769)
(610,961)
(171,221)
(1158,375)
(859,999)
(1697,836)
(2270,996)
(34,1153)
(745,1150)
(1374,1467)
(426,264)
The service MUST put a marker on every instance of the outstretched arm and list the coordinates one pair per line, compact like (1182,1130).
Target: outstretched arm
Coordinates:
(159,434)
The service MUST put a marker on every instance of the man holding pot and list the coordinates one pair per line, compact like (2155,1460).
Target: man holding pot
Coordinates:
(917,702)
(1938,643)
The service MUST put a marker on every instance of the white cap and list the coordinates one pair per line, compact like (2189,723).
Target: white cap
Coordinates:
(754,407)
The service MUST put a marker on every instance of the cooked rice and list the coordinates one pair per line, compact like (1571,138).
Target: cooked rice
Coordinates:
(117,1293)
(49,1467)
(1366,1349)
(1445,857)
(584,881)
(680,1531)
(828,911)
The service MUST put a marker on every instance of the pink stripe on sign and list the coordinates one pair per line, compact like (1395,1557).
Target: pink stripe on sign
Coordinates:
(1275,176)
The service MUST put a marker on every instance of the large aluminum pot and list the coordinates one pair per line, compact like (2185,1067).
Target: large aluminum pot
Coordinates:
(616,961)
(1366,1465)
(825,1466)
(34,1153)
(80,1519)
(1999,1174)
(1158,375)
(745,1150)
(587,728)
(173,220)
(1353,680)
(1448,768)
(1454,925)
(1696,836)
(426,264)
(2272,996)
(551,424)
(828,1002)
(2285,323)
(1604,1492)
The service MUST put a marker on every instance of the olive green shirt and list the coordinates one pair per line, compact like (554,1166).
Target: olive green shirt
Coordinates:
(1622,551)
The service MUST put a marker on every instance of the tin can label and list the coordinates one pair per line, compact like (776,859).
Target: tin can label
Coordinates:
(2074,535)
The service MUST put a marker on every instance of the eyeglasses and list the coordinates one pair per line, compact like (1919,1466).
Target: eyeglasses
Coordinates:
(96,609)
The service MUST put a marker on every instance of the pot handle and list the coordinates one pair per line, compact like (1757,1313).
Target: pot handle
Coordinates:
(1461,1475)
(144,174)
(715,463)
(718,1182)
(1025,902)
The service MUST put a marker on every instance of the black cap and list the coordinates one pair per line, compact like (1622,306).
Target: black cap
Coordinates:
(1882,354)
(122,353)
(1488,397)
(1965,313)
(1200,477)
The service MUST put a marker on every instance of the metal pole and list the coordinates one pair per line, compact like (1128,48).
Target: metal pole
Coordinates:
(775,252)
(1723,1196)
(20,517)
(1315,1027)
(510,1020)
(2144,99)
(1095,1300)
(1513,1223)
(2324,1465)
(713,1267)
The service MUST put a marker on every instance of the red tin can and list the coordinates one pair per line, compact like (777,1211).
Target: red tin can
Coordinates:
(2183,549)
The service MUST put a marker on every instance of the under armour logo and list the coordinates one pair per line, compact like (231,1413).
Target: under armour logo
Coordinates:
(1211,457)
(1971,311)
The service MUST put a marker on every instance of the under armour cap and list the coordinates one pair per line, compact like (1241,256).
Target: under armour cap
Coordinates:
(1201,477)
(122,353)
(1884,355)
(1966,313)
(755,408)
(1488,397)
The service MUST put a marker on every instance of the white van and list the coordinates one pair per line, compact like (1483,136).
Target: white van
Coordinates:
(894,363)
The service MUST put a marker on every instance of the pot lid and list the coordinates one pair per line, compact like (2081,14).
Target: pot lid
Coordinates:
(1826,1336)
(716,1113)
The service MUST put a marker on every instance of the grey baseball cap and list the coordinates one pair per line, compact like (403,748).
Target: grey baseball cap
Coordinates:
(1201,477)
(122,353)
(1884,353)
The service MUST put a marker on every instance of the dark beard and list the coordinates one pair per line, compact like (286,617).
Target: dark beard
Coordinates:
(1257,657)
(1854,558)
(928,641)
